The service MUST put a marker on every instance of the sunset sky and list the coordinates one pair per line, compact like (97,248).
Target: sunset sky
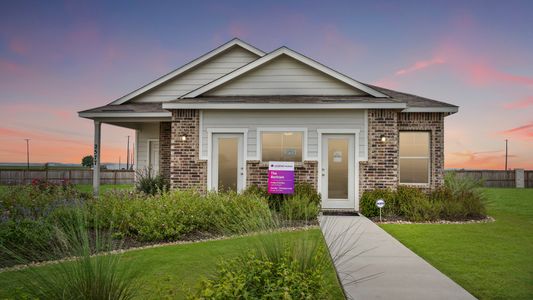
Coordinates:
(60,57)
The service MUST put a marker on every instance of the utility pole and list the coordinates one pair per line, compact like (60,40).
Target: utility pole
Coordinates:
(28,153)
(128,155)
(505,154)
(119,162)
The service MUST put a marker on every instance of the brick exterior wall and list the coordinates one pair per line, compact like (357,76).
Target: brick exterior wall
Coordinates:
(180,159)
(186,170)
(165,133)
(257,173)
(381,169)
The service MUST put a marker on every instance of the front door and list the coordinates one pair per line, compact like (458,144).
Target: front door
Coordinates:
(227,172)
(338,171)
(153,156)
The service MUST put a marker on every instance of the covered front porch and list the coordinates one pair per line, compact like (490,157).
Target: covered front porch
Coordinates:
(152,135)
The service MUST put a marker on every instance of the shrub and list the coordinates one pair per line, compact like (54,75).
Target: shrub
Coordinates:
(84,276)
(299,207)
(171,215)
(304,204)
(367,203)
(253,277)
(418,208)
(31,239)
(37,200)
(459,199)
(151,184)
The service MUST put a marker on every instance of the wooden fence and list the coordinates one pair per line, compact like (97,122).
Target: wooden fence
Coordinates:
(18,176)
(499,178)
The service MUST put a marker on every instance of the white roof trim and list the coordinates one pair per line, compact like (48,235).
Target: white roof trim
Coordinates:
(188,66)
(270,56)
(177,105)
(432,109)
(124,114)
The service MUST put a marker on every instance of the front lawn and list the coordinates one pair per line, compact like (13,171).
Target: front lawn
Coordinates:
(169,272)
(490,260)
(88,188)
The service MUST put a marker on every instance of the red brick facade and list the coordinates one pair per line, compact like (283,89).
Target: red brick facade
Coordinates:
(381,169)
(165,134)
(186,170)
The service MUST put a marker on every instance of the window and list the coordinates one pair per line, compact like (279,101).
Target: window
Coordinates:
(414,157)
(281,146)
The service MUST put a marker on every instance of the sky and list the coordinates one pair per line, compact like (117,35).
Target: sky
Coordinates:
(60,57)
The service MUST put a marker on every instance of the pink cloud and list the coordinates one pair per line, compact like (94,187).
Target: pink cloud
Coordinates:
(484,74)
(387,82)
(18,46)
(523,103)
(476,160)
(523,132)
(420,65)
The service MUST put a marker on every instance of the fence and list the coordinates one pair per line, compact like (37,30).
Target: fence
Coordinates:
(500,178)
(18,176)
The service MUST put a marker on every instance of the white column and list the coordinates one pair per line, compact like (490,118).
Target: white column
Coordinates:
(96,166)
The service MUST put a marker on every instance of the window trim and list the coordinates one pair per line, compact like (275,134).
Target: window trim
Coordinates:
(259,140)
(429,158)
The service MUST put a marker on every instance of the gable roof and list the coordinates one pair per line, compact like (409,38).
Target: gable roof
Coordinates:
(234,42)
(274,54)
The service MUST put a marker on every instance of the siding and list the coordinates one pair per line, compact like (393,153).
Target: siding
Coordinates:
(147,131)
(310,119)
(284,76)
(208,71)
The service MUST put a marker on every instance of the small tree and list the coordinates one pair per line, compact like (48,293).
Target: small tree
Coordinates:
(87,161)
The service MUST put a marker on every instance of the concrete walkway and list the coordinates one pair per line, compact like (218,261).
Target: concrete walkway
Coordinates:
(374,265)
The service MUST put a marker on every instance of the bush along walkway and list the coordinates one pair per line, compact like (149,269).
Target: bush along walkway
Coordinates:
(373,265)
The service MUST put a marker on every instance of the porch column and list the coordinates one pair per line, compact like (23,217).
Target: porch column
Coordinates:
(96,166)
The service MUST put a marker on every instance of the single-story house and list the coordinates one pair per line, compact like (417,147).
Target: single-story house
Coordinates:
(217,121)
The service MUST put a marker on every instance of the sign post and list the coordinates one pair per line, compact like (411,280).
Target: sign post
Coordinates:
(380,203)
(281,177)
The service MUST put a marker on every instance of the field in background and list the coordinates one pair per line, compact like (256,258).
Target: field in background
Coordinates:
(72,175)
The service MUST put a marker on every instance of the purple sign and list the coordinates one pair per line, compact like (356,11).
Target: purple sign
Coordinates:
(281,177)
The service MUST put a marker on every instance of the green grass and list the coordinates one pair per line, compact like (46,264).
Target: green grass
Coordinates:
(170,272)
(88,188)
(490,260)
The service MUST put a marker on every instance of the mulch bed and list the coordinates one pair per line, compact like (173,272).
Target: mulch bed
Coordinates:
(398,220)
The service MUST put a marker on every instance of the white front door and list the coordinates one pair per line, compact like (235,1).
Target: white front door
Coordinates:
(338,171)
(153,156)
(227,171)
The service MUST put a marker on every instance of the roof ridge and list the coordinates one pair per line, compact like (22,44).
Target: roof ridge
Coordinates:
(189,65)
(283,50)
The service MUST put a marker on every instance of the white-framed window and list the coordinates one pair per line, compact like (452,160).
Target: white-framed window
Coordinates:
(282,145)
(414,157)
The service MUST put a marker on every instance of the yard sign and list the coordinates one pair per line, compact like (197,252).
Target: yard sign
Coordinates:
(281,177)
